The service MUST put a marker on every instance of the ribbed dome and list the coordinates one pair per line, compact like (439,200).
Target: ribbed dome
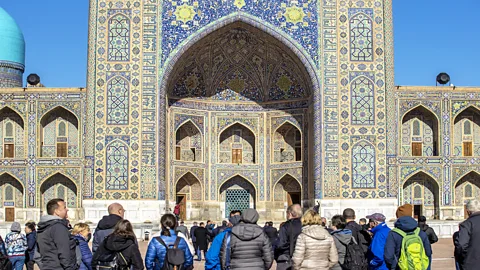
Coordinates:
(12,43)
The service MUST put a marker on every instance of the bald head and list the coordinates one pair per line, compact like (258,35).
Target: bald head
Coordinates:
(116,209)
(294,211)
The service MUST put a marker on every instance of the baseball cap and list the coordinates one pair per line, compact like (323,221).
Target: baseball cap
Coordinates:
(377,217)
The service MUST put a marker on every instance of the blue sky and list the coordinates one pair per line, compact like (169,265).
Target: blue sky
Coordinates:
(431,36)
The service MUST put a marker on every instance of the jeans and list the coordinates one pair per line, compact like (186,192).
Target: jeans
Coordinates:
(199,254)
(17,262)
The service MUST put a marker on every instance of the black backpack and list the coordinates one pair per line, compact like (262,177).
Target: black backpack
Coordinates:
(174,257)
(354,257)
(111,263)
(5,263)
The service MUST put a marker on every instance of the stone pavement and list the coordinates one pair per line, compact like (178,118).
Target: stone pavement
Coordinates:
(442,255)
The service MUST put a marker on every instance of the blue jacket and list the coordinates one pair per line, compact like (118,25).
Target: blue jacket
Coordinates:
(31,243)
(377,247)
(16,244)
(213,254)
(86,253)
(394,242)
(157,251)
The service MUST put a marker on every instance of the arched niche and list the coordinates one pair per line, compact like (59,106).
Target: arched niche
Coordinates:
(188,143)
(237,145)
(190,186)
(238,194)
(423,192)
(466,133)
(59,134)
(287,190)
(287,144)
(467,188)
(12,134)
(419,133)
(59,186)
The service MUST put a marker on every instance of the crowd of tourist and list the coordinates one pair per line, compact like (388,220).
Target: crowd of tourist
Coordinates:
(304,241)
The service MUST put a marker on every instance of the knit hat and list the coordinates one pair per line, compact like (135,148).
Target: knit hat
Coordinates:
(16,227)
(405,210)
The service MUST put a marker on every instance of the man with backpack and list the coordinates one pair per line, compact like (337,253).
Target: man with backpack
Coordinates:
(105,226)
(467,248)
(350,254)
(361,236)
(407,247)
(380,232)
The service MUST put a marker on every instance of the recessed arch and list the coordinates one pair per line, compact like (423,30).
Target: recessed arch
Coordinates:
(287,143)
(117,173)
(420,132)
(55,144)
(237,145)
(428,203)
(363,165)
(12,191)
(470,179)
(60,110)
(12,135)
(52,186)
(7,110)
(238,193)
(470,106)
(190,185)
(189,143)
(287,189)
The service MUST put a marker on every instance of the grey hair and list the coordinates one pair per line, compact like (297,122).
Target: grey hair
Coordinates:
(473,205)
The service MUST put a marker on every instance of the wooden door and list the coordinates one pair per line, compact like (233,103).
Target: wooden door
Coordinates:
(465,212)
(9,214)
(182,200)
(178,153)
(62,150)
(9,150)
(417,149)
(237,156)
(293,198)
(467,149)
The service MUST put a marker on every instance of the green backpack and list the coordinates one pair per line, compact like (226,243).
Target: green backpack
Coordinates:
(412,253)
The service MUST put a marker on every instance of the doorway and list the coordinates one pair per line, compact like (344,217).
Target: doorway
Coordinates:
(293,198)
(9,214)
(182,201)
(417,211)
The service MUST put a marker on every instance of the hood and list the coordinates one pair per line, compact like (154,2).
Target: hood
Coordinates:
(49,220)
(246,232)
(423,226)
(118,242)
(379,227)
(344,236)
(108,222)
(406,224)
(250,216)
(316,232)
(355,225)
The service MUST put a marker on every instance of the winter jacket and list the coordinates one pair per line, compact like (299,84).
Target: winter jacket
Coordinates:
(183,229)
(104,228)
(213,255)
(272,233)
(55,244)
(16,244)
(377,247)
(31,244)
(157,251)
(192,234)
(179,234)
(342,238)
(315,249)
(292,228)
(250,248)
(114,244)
(361,236)
(469,242)
(2,247)
(86,253)
(218,230)
(432,236)
(394,242)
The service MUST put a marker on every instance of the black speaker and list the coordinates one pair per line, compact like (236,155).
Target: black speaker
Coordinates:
(33,79)
(443,78)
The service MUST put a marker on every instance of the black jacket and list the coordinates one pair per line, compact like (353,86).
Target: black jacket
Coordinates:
(272,233)
(104,228)
(55,244)
(31,243)
(468,246)
(432,236)
(282,250)
(114,244)
(362,237)
(201,237)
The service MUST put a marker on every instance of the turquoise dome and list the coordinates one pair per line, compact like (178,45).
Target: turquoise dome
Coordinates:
(12,43)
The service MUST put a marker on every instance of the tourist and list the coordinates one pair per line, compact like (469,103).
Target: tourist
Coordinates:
(176,211)
(210,227)
(405,224)
(105,226)
(361,236)
(81,233)
(2,246)
(16,244)
(422,224)
(55,243)
(247,246)
(157,249)
(287,237)
(457,253)
(380,231)
(179,234)
(363,222)
(315,247)
(213,260)
(122,242)
(342,237)
(220,229)
(469,237)
(31,234)
(272,233)
(201,236)
(192,236)
(183,229)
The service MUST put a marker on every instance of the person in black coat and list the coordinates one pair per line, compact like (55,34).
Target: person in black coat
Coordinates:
(220,229)
(271,232)
(107,223)
(422,224)
(31,243)
(122,242)
(468,245)
(192,236)
(287,237)
(201,236)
